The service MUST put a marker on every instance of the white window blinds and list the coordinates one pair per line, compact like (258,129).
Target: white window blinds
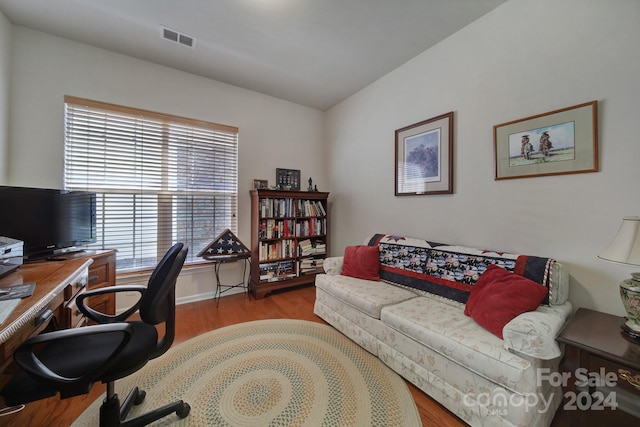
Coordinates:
(160,179)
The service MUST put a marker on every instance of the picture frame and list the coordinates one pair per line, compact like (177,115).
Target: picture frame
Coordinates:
(559,142)
(288,179)
(260,184)
(424,157)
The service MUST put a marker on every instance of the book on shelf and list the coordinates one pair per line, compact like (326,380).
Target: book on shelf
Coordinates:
(276,250)
(309,208)
(277,208)
(311,266)
(308,247)
(276,228)
(311,227)
(275,271)
(287,207)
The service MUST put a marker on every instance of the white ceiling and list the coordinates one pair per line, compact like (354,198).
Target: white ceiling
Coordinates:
(311,52)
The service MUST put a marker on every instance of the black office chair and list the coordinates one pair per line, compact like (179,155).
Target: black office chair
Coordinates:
(69,361)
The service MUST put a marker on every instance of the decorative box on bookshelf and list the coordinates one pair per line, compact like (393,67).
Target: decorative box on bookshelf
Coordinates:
(289,238)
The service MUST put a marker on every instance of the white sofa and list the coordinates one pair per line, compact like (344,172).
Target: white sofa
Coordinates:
(426,337)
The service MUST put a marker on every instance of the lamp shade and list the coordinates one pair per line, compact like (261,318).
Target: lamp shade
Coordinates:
(625,247)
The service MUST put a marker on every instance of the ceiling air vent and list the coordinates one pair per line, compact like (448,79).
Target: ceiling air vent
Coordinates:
(178,37)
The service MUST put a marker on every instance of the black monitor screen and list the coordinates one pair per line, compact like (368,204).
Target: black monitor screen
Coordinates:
(47,220)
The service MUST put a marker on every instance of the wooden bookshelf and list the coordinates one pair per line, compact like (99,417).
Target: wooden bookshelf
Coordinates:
(289,238)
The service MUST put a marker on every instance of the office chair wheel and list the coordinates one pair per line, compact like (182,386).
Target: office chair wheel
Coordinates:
(184,411)
(140,397)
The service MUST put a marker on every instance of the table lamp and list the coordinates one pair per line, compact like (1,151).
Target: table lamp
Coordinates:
(625,249)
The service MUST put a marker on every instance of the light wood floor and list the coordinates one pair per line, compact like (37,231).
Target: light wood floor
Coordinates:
(196,318)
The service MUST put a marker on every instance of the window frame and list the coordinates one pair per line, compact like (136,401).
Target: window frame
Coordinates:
(224,138)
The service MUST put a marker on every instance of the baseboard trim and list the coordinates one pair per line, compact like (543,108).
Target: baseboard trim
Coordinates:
(206,295)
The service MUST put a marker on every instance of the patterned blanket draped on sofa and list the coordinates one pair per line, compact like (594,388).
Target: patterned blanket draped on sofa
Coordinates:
(450,271)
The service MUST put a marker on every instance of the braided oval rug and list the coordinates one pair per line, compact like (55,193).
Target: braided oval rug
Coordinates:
(277,372)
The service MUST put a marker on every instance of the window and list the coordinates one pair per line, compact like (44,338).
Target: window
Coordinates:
(159,179)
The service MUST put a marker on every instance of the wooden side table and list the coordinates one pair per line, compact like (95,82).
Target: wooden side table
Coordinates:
(601,368)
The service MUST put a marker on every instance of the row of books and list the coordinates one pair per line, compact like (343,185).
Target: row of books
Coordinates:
(277,250)
(311,227)
(274,271)
(311,208)
(278,229)
(287,207)
(287,249)
(283,270)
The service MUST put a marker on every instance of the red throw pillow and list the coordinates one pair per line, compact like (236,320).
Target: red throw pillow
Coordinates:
(362,262)
(499,296)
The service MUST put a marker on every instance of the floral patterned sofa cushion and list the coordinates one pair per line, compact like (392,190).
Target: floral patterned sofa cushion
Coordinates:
(365,295)
(444,329)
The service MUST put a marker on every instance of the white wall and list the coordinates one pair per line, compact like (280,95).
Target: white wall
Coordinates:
(522,59)
(5,51)
(273,133)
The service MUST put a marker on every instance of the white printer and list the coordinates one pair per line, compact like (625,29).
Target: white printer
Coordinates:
(11,251)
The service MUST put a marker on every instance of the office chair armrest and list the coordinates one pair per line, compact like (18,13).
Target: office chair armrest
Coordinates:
(29,361)
(103,318)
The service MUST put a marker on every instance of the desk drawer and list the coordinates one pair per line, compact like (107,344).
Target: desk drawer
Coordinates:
(73,317)
(623,390)
(73,288)
(98,276)
(102,272)
(628,378)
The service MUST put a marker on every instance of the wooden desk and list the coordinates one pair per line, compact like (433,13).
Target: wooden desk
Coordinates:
(54,280)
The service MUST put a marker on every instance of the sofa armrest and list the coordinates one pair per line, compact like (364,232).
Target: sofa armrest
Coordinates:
(534,333)
(333,265)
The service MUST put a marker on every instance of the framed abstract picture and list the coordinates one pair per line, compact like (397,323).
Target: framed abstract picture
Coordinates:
(559,142)
(424,157)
